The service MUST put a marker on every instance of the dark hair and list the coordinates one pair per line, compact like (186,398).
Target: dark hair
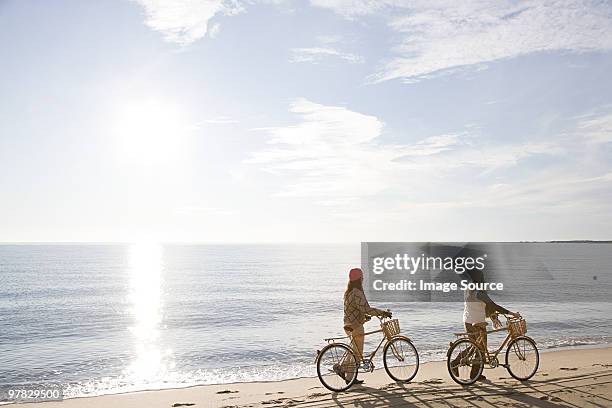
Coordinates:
(356,284)
(477,275)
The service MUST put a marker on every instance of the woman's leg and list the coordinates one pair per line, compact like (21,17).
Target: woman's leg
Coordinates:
(455,362)
(358,340)
(471,331)
(478,333)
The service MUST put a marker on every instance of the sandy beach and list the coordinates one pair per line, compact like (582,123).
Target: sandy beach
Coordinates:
(574,378)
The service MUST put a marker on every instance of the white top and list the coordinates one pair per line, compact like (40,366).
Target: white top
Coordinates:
(473,309)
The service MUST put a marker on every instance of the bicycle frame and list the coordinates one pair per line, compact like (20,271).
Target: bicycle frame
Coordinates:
(371,356)
(489,356)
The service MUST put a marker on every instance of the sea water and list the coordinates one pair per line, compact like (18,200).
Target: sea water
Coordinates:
(114,318)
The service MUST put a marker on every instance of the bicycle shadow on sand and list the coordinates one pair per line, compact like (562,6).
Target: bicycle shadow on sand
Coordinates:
(487,392)
(370,397)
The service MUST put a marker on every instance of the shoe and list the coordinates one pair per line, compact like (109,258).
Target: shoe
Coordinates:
(357,382)
(481,378)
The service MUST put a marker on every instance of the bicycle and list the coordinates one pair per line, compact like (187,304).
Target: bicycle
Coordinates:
(469,351)
(338,363)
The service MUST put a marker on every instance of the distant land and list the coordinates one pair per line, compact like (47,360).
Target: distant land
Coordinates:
(580,241)
(572,241)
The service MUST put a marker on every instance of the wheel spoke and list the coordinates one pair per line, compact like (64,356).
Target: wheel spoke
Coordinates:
(522,358)
(465,362)
(401,359)
(337,367)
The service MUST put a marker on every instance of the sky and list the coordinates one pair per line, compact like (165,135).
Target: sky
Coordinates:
(258,121)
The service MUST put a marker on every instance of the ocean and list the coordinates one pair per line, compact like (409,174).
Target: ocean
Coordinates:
(101,319)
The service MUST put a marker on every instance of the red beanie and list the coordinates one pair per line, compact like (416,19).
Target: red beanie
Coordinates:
(355,274)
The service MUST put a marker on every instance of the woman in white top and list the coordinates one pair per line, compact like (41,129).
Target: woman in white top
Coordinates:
(477,307)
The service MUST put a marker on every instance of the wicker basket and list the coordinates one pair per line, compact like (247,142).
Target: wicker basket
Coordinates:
(391,328)
(517,327)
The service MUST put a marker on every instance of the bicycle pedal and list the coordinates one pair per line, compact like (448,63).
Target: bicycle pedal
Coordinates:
(369,366)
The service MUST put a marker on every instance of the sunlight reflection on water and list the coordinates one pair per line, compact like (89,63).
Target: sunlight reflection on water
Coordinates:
(146,307)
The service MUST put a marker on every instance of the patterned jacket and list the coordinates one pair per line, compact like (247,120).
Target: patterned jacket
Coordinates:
(356,307)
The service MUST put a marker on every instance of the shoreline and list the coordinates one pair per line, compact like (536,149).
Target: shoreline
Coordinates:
(570,364)
(542,351)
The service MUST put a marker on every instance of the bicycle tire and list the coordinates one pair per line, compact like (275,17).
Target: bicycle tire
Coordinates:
(327,375)
(471,348)
(391,347)
(517,350)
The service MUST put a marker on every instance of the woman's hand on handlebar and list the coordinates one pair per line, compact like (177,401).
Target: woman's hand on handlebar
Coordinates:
(387,314)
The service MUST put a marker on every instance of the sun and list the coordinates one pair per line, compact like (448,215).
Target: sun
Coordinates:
(149,132)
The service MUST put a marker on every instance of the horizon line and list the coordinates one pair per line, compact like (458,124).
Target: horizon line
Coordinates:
(553,241)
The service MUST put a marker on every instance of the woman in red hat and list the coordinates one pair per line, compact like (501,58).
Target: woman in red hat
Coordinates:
(356,311)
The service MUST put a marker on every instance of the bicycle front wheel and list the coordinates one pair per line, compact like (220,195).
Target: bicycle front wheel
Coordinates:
(522,358)
(465,362)
(337,367)
(401,359)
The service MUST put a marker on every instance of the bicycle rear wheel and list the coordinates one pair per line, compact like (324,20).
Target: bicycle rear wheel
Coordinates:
(401,359)
(522,358)
(465,362)
(337,367)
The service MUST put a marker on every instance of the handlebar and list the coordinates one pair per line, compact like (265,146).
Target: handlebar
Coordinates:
(381,318)
(508,316)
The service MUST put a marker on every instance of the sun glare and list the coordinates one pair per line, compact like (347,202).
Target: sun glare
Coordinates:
(149,133)
(146,280)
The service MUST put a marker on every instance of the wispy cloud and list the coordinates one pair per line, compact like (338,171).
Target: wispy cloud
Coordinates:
(328,46)
(329,39)
(434,145)
(186,21)
(335,155)
(354,8)
(317,54)
(214,29)
(595,128)
(220,120)
(331,153)
(438,36)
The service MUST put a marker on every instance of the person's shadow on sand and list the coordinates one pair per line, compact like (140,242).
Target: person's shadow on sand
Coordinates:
(428,394)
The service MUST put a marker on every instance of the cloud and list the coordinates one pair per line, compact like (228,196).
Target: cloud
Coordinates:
(186,21)
(441,36)
(434,145)
(317,54)
(596,129)
(336,155)
(550,191)
(331,153)
(353,8)
(213,32)
(220,120)
(329,39)
(327,48)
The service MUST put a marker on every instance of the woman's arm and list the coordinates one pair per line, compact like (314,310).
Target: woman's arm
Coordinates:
(491,306)
(364,306)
